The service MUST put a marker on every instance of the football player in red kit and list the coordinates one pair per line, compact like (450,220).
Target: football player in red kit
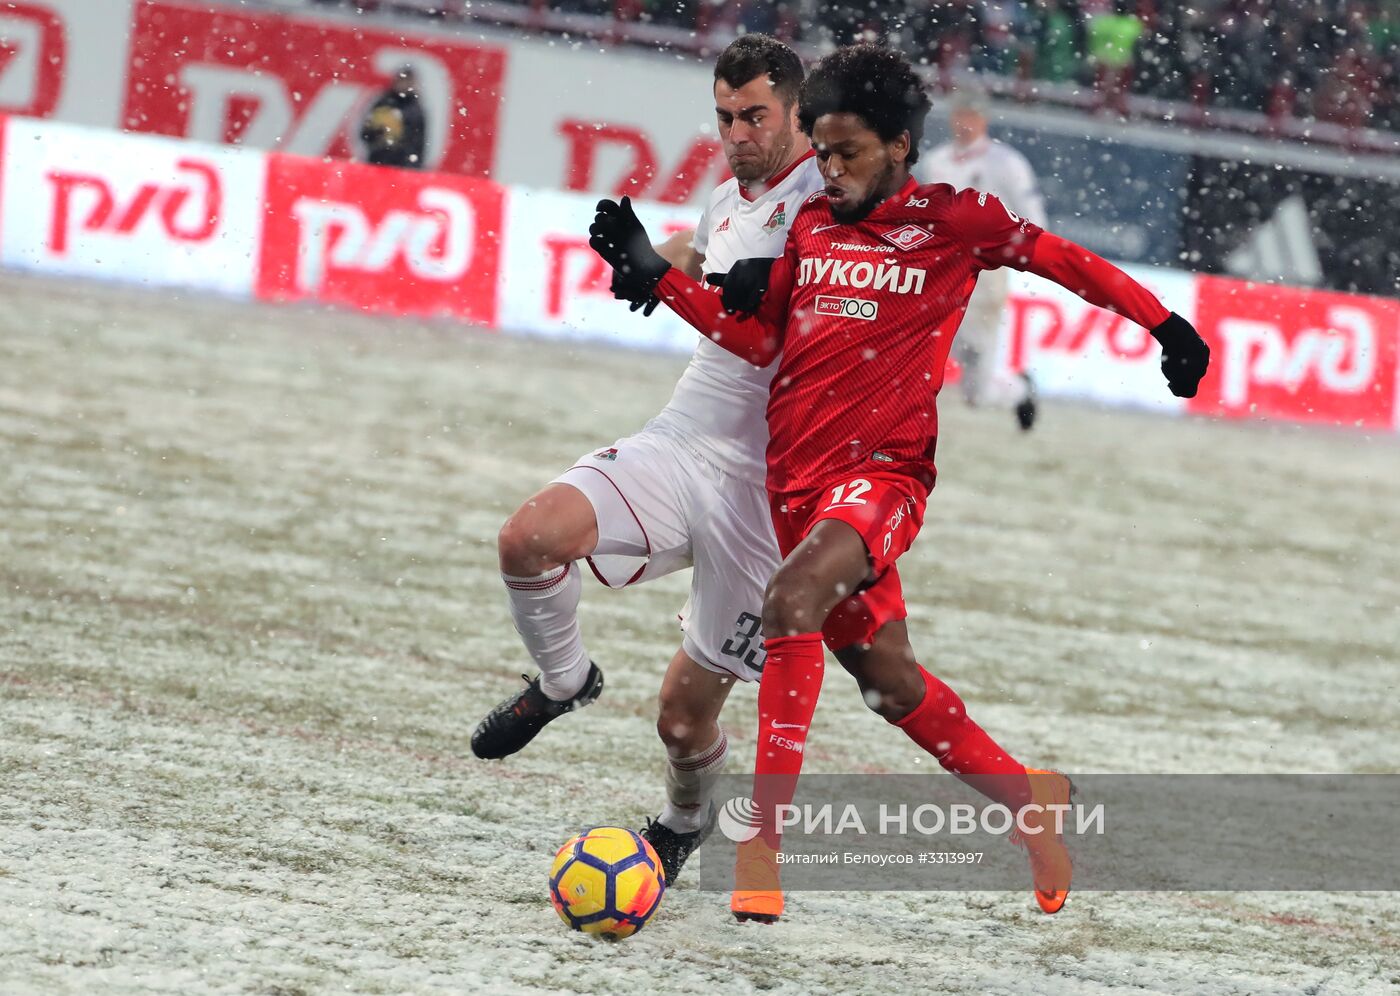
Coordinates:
(862,308)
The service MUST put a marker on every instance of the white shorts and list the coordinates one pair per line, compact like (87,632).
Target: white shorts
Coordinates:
(662,508)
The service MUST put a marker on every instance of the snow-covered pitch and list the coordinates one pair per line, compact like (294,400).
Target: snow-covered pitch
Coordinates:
(251,613)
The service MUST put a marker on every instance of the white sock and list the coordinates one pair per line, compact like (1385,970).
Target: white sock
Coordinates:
(690,781)
(545,609)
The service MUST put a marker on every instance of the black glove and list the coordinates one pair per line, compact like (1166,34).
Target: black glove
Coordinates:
(1185,355)
(624,288)
(620,239)
(744,285)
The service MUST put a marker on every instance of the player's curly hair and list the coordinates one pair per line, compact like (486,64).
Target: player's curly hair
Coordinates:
(878,84)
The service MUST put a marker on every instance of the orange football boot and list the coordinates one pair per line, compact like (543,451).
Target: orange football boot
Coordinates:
(758,893)
(1051,868)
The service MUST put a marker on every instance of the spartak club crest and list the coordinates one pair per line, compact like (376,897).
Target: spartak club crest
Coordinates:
(907,237)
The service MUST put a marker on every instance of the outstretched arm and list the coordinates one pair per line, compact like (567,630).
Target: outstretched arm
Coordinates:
(1095,279)
(639,272)
(756,338)
(1185,355)
(998,237)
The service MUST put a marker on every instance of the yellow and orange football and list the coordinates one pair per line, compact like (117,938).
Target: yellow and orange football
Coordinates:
(607,881)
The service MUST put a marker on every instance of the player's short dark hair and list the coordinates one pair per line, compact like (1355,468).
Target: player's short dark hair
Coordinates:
(750,56)
(877,84)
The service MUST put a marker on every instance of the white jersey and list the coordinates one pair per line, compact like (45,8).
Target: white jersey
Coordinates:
(720,404)
(990,166)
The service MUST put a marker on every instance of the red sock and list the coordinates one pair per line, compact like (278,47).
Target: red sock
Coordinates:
(787,698)
(940,725)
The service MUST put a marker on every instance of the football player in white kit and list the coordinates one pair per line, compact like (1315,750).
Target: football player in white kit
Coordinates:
(973,159)
(687,490)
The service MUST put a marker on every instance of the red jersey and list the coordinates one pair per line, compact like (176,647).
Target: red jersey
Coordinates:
(864,315)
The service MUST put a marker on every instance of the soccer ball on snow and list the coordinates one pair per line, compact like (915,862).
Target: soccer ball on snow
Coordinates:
(607,881)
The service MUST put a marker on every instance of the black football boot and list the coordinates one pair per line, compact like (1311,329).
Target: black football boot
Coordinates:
(672,847)
(514,723)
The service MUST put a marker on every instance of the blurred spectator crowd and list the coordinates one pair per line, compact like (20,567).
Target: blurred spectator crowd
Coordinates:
(1331,60)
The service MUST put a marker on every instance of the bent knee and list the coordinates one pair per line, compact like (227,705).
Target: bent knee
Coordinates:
(525,549)
(513,547)
(684,729)
(553,528)
(795,603)
(674,726)
(788,610)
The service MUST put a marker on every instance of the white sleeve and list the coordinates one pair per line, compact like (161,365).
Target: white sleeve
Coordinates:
(700,241)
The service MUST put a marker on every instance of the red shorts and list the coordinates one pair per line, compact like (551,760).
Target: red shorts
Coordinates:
(887,510)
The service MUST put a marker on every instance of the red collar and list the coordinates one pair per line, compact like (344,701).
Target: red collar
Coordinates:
(900,195)
(778,178)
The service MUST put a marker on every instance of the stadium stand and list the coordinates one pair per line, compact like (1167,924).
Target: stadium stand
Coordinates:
(1289,62)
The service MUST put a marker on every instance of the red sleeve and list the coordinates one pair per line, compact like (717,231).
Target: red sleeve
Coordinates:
(1096,280)
(757,338)
(996,235)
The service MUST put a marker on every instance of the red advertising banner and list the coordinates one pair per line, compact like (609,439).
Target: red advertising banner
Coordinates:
(33,58)
(97,203)
(701,167)
(1297,355)
(381,239)
(272,81)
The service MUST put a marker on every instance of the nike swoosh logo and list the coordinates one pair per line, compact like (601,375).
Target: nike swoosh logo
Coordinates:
(789,726)
(823,228)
